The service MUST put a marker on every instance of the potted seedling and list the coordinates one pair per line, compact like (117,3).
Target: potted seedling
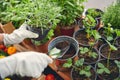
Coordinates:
(80,71)
(96,14)
(107,71)
(85,37)
(90,54)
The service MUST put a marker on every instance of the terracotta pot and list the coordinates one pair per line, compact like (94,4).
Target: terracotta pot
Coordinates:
(67,30)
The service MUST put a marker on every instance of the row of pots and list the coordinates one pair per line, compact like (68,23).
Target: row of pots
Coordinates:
(75,51)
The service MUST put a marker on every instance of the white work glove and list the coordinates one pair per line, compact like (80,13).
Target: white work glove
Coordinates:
(29,64)
(18,35)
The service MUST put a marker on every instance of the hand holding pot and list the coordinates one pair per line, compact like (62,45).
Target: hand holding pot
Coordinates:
(18,35)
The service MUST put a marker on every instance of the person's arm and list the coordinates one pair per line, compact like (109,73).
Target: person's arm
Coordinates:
(17,35)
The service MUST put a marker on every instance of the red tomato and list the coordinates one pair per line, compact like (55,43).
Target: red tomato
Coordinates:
(2,47)
(5,50)
(50,77)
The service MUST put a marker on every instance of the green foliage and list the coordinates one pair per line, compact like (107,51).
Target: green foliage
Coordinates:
(88,52)
(37,13)
(71,9)
(89,22)
(83,50)
(102,69)
(95,13)
(68,64)
(112,15)
(79,66)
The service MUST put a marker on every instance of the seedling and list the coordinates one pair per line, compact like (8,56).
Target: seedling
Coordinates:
(102,69)
(79,66)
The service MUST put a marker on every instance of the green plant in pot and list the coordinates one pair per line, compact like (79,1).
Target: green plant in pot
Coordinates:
(94,12)
(80,71)
(43,17)
(71,9)
(111,15)
(105,71)
(90,54)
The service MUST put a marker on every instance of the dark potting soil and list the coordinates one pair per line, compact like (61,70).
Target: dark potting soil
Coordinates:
(114,54)
(71,51)
(82,38)
(77,76)
(118,41)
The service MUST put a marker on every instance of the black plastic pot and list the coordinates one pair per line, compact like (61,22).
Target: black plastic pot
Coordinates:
(41,32)
(80,36)
(104,52)
(117,41)
(114,70)
(76,76)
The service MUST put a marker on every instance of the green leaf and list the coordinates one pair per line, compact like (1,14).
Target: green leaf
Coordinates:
(79,62)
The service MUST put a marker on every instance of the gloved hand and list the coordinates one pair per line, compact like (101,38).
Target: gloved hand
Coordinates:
(18,35)
(29,64)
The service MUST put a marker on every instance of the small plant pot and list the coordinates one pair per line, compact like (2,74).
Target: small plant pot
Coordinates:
(117,41)
(89,58)
(114,70)
(71,52)
(73,49)
(106,53)
(76,76)
(81,37)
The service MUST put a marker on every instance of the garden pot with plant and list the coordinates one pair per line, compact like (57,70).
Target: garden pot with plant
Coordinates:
(90,55)
(107,70)
(61,42)
(96,14)
(71,10)
(86,37)
(109,51)
(80,71)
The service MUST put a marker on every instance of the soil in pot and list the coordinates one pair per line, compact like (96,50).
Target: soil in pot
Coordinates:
(81,37)
(114,70)
(71,51)
(91,57)
(105,49)
(76,76)
(117,41)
